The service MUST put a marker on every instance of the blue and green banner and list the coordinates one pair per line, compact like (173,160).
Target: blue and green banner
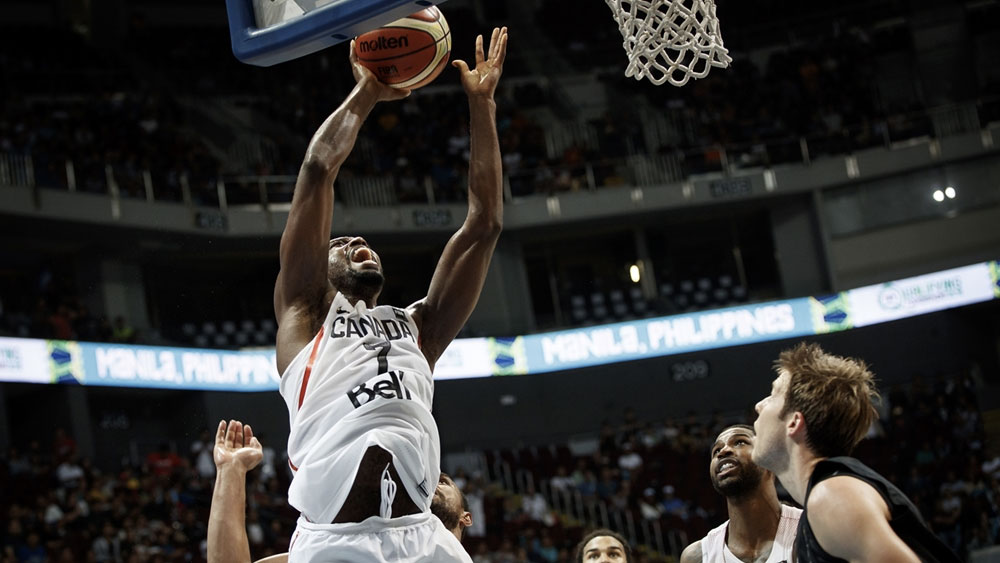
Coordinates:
(87,363)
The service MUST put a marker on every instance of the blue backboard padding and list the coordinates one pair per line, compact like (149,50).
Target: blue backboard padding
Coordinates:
(338,21)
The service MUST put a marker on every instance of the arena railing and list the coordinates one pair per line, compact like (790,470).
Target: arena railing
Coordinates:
(669,164)
(594,513)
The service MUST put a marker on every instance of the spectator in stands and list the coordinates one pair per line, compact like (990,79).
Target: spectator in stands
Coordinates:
(474,498)
(535,506)
(201,453)
(673,505)
(561,482)
(108,546)
(629,462)
(460,479)
(648,507)
(70,474)
(482,554)
(62,323)
(588,487)
(608,485)
(163,462)
(32,550)
(123,331)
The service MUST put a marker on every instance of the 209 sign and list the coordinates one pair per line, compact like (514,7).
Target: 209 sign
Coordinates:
(689,371)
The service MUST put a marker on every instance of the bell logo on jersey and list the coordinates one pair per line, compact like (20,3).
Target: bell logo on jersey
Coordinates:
(361,326)
(389,388)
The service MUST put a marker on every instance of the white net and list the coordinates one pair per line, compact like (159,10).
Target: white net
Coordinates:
(670,40)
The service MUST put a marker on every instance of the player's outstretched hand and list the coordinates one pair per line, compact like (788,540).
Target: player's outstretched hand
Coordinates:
(482,80)
(367,80)
(237,447)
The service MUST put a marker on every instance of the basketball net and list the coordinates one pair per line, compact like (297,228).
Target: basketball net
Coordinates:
(670,40)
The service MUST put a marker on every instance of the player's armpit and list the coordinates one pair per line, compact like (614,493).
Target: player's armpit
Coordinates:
(851,521)
(454,291)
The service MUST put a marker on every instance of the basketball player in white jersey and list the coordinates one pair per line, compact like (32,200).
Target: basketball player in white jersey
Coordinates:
(760,529)
(236,452)
(356,377)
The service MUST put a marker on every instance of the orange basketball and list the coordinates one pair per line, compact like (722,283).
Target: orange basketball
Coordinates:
(409,52)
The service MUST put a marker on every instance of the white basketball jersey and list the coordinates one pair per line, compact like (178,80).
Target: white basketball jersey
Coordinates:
(715,550)
(362,381)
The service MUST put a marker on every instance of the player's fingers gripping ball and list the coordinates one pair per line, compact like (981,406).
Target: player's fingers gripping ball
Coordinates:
(409,52)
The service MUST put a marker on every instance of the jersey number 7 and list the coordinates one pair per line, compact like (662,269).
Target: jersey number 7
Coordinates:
(383,354)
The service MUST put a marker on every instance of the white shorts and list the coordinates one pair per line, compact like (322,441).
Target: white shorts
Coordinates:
(415,538)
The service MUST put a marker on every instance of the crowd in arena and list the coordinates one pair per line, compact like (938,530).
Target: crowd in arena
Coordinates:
(46,305)
(114,135)
(930,440)
(757,111)
(59,506)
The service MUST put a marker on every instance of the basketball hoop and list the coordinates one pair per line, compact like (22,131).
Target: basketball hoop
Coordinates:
(670,40)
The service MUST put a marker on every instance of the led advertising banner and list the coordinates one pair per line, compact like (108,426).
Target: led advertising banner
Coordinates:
(663,336)
(465,357)
(922,294)
(25,360)
(177,368)
(86,363)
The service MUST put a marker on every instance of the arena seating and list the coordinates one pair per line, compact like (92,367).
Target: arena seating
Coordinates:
(536,500)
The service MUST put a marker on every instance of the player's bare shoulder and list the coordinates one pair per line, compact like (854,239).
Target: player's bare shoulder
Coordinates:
(692,553)
(416,310)
(298,324)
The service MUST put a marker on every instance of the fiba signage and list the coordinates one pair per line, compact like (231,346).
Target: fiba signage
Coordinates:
(10,359)
(898,295)
(921,294)
(24,360)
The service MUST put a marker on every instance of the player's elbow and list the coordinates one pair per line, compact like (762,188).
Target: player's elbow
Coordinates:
(316,170)
(485,225)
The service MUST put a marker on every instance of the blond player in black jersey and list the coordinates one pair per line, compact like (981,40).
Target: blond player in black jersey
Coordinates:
(819,408)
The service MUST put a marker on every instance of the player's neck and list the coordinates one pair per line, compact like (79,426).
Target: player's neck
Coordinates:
(753,519)
(353,299)
(795,478)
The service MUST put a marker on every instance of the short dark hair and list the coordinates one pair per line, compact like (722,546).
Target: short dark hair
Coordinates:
(746,427)
(578,557)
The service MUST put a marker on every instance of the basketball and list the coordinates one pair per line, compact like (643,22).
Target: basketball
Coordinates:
(409,52)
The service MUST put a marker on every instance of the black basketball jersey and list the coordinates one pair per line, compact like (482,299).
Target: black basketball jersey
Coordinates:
(905,520)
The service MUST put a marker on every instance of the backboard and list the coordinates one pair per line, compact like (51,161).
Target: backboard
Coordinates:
(268,32)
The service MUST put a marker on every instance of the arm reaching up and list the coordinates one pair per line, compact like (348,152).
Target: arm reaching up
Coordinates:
(302,285)
(461,272)
(236,452)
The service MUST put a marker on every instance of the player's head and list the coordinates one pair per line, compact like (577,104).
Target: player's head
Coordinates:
(731,469)
(354,268)
(824,399)
(603,546)
(450,506)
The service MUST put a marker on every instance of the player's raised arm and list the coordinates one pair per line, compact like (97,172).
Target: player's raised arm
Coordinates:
(461,271)
(302,282)
(236,452)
